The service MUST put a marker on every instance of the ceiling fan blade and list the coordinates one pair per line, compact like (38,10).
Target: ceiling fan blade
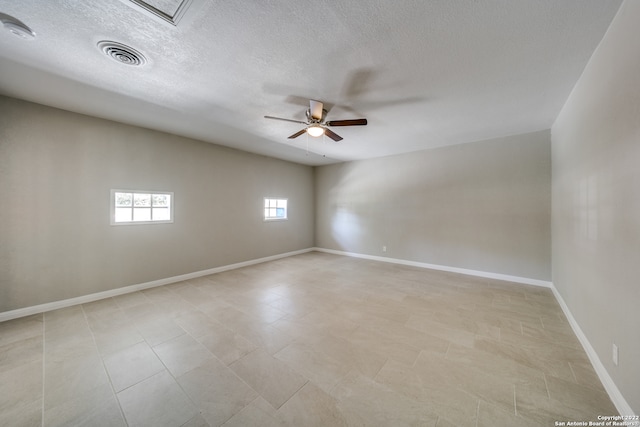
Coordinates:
(315,107)
(297,134)
(354,122)
(331,134)
(358,82)
(285,120)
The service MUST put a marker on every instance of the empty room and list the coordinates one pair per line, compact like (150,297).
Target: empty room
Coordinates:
(360,213)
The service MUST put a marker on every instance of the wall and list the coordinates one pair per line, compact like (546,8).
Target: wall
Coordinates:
(596,201)
(483,206)
(56,172)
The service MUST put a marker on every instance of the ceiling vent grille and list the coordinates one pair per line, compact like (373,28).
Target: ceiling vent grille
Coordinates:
(122,53)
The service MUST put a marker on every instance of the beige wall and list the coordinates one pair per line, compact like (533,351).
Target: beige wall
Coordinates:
(483,206)
(596,201)
(56,172)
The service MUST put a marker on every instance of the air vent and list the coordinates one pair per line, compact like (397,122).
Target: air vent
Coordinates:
(122,53)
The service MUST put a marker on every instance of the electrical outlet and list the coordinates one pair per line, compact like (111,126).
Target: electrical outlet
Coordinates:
(384,249)
(615,355)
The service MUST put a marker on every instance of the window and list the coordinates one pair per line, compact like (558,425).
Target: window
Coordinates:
(275,209)
(141,207)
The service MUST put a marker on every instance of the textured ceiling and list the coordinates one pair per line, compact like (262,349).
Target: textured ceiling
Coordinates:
(425,73)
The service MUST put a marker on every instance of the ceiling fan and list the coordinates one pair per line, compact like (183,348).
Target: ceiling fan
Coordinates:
(316,124)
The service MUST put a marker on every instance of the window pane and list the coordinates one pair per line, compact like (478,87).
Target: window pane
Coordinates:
(142,214)
(124,199)
(161,214)
(275,208)
(123,214)
(160,200)
(134,207)
(140,200)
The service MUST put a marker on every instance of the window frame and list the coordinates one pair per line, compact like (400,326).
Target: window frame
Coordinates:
(275,218)
(112,207)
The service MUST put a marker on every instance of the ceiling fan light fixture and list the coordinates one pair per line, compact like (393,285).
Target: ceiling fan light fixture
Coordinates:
(315,131)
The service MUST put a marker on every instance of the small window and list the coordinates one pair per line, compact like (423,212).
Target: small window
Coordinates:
(141,207)
(275,209)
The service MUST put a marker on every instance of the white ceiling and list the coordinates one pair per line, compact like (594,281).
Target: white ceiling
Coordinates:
(425,73)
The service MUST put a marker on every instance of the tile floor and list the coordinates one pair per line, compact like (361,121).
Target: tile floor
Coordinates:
(310,340)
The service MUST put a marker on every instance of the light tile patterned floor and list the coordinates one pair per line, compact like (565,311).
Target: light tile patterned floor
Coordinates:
(310,340)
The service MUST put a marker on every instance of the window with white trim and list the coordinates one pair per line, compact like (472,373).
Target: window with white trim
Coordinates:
(275,209)
(141,207)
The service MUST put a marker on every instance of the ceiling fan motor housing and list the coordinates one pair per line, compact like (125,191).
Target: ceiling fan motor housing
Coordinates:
(313,120)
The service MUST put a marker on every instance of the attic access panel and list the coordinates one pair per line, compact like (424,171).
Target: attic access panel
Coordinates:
(164,11)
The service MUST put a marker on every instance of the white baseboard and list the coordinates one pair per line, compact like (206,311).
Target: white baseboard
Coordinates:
(488,275)
(27,311)
(612,390)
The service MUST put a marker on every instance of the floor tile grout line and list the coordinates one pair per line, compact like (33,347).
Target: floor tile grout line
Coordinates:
(446,353)
(575,378)
(243,382)
(195,404)
(294,393)
(104,367)
(546,385)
